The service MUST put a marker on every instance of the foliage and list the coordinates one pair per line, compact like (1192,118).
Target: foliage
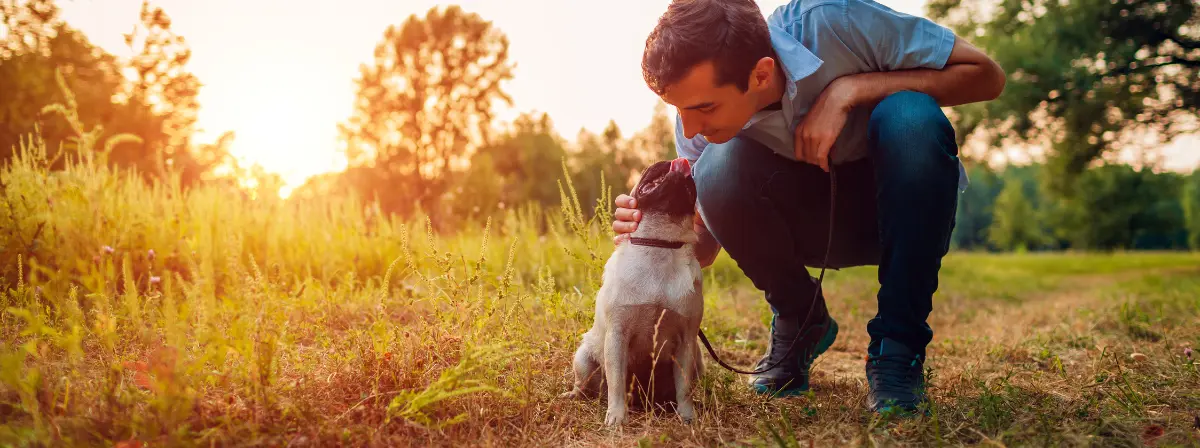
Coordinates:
(1118,208)
(1191,209)
(1015,225)
(1086,77)
(424,106)
(155,102)
(514,170)
(1123,209)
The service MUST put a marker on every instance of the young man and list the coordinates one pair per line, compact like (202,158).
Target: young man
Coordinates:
(765,106)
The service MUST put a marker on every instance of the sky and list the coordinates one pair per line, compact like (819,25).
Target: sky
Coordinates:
(280,73)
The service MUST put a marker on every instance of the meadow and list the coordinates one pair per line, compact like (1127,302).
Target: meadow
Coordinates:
(144,314)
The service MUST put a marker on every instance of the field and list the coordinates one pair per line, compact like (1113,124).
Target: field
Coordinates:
(143,314)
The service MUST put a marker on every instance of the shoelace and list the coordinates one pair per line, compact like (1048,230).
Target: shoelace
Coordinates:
(885,368)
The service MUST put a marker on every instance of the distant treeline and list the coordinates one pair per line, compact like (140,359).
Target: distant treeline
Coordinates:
(1115,207)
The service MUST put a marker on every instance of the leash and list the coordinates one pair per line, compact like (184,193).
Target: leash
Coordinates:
(816,294)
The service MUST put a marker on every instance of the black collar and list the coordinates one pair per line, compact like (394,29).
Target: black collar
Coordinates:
(655,243)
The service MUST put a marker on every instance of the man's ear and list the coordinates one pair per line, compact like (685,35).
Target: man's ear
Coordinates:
(760,76)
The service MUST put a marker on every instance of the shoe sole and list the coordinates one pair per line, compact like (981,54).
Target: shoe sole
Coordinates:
(822,345)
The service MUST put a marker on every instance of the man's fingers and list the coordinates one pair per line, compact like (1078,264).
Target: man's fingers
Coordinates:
(823,155)
(624,227)
(626,201)
(810,150)
(627,214)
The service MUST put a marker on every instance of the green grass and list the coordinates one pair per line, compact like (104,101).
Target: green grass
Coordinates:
(316,323)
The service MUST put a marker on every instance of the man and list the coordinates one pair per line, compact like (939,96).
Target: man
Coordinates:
(765,107)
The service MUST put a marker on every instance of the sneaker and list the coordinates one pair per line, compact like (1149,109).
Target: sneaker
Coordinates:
(894,375)
(790,376)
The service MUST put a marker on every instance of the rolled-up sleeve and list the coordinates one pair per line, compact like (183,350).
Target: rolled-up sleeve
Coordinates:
(889,39)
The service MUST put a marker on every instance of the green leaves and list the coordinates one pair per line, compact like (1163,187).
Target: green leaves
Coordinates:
(462,379)
(1084,75)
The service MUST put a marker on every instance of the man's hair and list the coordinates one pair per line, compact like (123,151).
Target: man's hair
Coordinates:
(730,33)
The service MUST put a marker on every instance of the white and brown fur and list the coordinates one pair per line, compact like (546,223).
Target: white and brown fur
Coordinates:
(643,342)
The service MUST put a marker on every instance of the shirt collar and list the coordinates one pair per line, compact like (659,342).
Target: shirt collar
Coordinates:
(798,62)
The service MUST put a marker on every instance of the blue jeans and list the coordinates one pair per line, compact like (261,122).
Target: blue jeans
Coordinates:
(895,210)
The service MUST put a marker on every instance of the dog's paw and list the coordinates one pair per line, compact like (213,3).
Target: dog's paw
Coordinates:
(574,394)
(615,417)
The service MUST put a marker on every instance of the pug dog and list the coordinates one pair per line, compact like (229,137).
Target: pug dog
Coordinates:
(650,305)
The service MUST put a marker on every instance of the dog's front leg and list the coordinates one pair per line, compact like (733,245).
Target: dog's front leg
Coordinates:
(684,373)
(616,350)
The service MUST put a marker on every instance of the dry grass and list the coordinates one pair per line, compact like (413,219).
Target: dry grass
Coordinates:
(263,322)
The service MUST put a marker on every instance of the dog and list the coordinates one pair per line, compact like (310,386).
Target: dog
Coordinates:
(650,304)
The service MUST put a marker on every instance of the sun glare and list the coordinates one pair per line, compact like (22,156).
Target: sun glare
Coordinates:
(286,128)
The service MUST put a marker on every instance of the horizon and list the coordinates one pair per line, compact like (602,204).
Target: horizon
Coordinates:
(295,135)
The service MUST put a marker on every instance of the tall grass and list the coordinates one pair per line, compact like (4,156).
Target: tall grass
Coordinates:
(135,309)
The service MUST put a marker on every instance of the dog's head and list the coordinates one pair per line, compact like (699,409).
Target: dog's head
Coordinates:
(667,188)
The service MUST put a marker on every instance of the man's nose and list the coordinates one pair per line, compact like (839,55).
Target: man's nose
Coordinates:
(691,126)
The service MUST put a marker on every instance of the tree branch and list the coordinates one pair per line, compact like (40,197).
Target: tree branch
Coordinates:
(1173,61)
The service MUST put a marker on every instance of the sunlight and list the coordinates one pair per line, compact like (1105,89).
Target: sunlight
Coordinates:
(286,128)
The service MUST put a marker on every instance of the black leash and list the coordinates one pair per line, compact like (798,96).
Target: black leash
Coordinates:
(816,294)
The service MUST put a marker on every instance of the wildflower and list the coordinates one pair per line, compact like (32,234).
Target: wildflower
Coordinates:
(150,253)
(154,279)
(107,249)
(1187,351)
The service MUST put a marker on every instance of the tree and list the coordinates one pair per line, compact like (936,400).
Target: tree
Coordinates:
(38,43)
(529,158)
(657,141)
(1123,208)
(159,102)
(1085,76)
(425,105)
(974,214)
(1015,225)
(151,95)
(1191,209)
(606,159)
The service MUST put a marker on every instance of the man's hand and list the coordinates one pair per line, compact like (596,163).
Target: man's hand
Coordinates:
(820,127)
(626,218)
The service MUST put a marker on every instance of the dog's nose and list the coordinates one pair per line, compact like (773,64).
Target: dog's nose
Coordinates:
(681,165)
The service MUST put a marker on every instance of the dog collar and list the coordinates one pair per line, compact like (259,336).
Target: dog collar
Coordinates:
(655,243)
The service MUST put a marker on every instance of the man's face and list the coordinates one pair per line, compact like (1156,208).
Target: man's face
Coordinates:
(718,112)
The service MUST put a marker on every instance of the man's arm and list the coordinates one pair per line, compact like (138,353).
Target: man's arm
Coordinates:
(969,76)
(906,53)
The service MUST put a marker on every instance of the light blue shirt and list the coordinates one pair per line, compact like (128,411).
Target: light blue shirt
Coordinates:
(818,41)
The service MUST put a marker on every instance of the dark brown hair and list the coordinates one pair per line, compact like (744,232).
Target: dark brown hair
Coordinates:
(731,33)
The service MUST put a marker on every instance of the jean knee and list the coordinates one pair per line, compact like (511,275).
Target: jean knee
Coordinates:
(909,129)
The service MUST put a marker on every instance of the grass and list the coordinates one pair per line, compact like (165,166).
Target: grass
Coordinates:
(142,313)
